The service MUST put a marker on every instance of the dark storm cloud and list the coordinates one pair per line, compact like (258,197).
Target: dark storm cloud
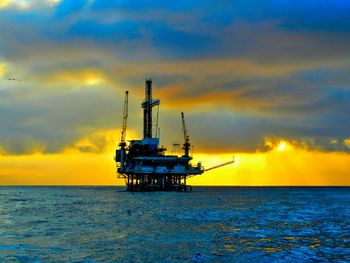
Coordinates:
(223,131)
(243,70)
(52,120)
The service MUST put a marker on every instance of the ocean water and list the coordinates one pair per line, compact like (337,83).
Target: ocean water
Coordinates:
(210,224)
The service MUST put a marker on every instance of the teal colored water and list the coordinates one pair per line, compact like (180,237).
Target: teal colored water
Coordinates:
(210,224)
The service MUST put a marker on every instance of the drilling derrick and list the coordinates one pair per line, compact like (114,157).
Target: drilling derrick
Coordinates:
(147,106)
(143,163)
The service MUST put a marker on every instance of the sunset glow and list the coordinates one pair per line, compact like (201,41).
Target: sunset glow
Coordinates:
(264,81)
(297,166)
(282,146)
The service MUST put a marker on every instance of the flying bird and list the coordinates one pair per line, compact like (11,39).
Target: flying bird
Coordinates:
(13,79)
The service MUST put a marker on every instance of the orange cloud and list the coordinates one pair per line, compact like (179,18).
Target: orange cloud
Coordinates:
(347,142)
(104,141)
(2,69)
(241,67)
(177,96)
(84,77)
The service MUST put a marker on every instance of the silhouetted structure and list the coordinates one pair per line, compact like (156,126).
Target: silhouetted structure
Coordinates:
(143,164)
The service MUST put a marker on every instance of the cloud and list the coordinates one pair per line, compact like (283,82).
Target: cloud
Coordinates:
(50,121)
(347,142)
(250,68)
(25,5)
(2,69)
(276,103)
(221,131)
(4,3)
(85,77)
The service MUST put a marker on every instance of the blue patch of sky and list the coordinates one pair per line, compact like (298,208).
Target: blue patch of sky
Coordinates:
(146,5)
(92,29)
(295,15)
(68,7)
(340,97)
(156,34)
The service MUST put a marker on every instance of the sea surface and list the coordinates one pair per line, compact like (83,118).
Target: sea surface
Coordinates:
(210,224)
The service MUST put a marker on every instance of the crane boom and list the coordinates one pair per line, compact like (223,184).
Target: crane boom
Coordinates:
(186,137)
(125,117)
(220,165)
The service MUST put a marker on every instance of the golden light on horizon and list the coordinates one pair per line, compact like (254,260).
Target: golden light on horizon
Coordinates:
(296,166)
(90,162)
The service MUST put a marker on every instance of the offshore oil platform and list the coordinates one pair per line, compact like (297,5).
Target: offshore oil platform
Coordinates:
(143,163)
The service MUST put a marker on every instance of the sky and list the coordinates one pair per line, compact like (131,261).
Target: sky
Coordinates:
(266,81)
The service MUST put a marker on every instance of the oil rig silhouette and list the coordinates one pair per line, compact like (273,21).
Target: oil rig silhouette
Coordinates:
(143,163)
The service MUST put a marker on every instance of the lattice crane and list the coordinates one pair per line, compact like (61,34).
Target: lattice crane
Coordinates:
(186,137)
(125,118)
